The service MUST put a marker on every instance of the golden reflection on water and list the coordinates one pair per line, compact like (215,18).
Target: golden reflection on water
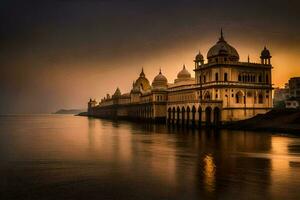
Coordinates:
(209,173)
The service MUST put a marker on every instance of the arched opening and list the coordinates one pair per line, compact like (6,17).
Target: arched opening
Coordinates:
(207,96)
(200,116)
(188,116)
(260,99)
(208,116)
(193,116)
(225,77)
(178,114)
(240,78)
(217,76)
(183,116)
(239,97)
(173,117)
(217,116)
(169,115)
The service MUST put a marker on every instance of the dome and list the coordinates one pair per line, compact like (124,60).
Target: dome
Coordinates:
(117,93)
(160,81)
(265,53)
(223,48)
(184,74)
(142,83)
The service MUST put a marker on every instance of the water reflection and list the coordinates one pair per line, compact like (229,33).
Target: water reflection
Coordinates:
(121,160)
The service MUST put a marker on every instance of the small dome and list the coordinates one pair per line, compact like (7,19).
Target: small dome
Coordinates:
(223,48)
(117,93)
(184,74)
(160,81)
(265,53)
(141,83)
(199,57)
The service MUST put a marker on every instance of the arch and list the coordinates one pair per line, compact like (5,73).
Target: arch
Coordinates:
(225,76)
(183,116)
(207,96)
(208,116)
(260,98)
(173,117)
(217,116)
(169,115)
(193,116)
(178,114)
(239,97)
(259,78)
(188,110)
(200,116)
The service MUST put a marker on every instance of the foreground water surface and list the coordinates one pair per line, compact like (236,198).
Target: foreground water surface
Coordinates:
(69,157)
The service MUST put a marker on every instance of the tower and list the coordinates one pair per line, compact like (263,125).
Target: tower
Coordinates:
(199,60)
(265,56)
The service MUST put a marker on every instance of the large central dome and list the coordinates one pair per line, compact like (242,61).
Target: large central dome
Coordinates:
(222,48)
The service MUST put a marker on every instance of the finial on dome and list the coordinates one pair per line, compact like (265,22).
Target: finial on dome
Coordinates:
(142,74)
(183,66)
(248,58)
(160,70)
(222,37)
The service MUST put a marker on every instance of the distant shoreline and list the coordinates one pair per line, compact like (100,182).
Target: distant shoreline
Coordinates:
(69,111)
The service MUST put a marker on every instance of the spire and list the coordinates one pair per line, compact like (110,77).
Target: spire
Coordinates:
(183,66)
(222,37)
(142,74)
(160,70)
(248,58)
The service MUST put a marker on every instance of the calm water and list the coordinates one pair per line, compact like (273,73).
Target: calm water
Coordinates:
(68,157)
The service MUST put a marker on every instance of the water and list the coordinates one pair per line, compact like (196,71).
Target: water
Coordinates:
(68,157)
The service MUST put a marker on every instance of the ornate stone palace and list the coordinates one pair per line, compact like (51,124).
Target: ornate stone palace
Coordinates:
(224,89)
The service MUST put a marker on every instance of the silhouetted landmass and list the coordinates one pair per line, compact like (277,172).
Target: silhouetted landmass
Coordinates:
(285,120)
(82,114)
(69,111)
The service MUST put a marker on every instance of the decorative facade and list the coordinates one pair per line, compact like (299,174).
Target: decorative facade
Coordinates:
(224,89)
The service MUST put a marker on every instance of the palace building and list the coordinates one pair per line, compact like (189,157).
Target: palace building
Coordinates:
(224,89)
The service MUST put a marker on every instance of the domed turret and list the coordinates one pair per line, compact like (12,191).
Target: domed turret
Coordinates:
(199,60)
(184,74)
(117,93)
(222,49)
(160,81)
(265,56)
(142,83)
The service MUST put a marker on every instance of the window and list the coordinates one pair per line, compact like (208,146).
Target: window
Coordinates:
(267,78)
(225,77)
(239,97)
(217,77)
(259,78)
(240,78)
(216,96)
(204,79)
(260,99)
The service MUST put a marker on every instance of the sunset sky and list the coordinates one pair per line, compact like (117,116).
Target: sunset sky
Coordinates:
(57,54)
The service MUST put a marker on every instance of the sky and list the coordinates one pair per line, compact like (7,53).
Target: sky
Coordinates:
(57,54)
